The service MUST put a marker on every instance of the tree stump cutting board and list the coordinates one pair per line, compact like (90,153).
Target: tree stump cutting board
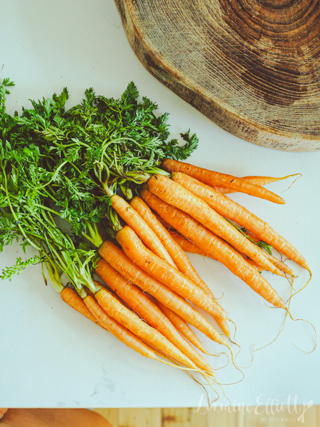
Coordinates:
(251,66)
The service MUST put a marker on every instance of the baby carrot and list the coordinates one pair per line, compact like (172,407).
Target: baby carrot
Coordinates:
(138,327)
(210,243)
(162,271)
(177,254)
(176,195)
(120,262)
(71,297)
(119,331)
(257,180)
(182,326)
(213,178)
(134,220)
(149,311)
(232,210)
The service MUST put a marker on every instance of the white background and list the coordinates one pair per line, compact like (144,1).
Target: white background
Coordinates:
(52,357)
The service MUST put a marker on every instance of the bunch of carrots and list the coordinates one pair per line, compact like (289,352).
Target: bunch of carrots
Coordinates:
(171,216)
(58,163)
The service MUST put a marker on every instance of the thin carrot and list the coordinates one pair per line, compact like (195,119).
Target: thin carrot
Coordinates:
(120,262)
(188,246)
(183,327)
(213,178)
(149,311)
(137,326)
(162,271)
(119,331)
(176,195)
(257,180)
(232,210)
(134,220)
(71,297)
(282,265)
(210,243)
(177,254)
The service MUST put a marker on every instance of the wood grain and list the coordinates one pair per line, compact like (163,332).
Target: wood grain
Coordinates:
(251,66)
(34,417)
(226,417)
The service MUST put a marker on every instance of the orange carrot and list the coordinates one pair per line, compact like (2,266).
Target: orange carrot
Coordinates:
(188,246)
(213,178)
(283,266)
(176,195)
(118,330)
(182,326)
(138,327)
(134,220)
(257,180)
(162,221)
(162,271)
(71,297)
(232,210)
(177,254)
(149,311)
(120,262)
(174,249)
(210,243)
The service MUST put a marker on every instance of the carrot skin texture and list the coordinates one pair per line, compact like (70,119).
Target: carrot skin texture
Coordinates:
(162,271)
(235,212)
(176,195)
(183,327)
(283,266)
(257,180)
(71,297)
(120,262)
(213,178)
(138,327)
(146,234)
(148,310)
(188,246)
(212,244)
(177,254)
(116,329)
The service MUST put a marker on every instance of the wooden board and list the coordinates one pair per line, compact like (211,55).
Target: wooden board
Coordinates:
(43,417)
(253,67)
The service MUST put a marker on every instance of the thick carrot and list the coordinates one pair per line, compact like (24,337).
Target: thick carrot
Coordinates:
(71,297)
(138,327)
(177,254)
(149,311)
(232,210)
(176,195)
(183,327)
(134,220)
(213,178)
(210,243)
(118,330)
(257,180)
(162,271)
(120,262)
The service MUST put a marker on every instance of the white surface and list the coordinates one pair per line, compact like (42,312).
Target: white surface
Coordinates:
(52,357)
